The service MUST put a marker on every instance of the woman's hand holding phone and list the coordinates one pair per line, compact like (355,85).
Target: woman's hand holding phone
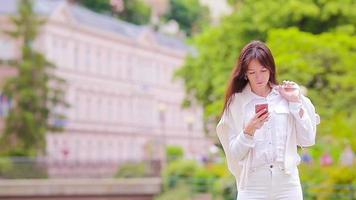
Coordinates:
(257,121)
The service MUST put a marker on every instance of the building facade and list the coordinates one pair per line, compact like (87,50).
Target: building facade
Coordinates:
(125,104)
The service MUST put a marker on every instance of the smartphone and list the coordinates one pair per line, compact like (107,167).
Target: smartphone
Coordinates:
(259,107)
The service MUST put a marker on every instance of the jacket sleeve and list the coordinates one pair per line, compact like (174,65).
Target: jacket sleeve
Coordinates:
(305,125)
(236,145)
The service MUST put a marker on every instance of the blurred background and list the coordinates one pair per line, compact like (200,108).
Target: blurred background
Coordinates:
(119,99)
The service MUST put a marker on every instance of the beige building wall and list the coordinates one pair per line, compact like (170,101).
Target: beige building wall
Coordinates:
(124,102)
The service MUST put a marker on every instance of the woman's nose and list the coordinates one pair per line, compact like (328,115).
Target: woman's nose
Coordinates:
(258,77)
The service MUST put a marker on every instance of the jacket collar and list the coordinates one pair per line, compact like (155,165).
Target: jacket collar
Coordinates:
(247,95)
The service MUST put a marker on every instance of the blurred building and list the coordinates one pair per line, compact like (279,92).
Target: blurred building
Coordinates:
(124,102)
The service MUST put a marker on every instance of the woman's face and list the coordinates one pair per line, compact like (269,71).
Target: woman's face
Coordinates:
(257,74)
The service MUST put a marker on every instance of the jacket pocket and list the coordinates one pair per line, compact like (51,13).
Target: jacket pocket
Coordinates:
(281,120)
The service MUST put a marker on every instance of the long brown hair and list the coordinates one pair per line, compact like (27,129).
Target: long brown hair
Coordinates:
(253,50)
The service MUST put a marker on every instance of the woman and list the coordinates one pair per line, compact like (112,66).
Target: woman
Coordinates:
(261,145)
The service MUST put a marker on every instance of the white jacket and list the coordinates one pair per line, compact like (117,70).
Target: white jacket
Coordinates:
(300,132)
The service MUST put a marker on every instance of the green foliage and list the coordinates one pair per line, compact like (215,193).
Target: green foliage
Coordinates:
(181,192)
(218,169)
(33,97)
(189,14)
(324,63)
(178,170)
(5,165)
(174,153)
(21,168)
(100,6)
(343,181)
(14,152)
(233,2)
(188,172)
(131,170)
(206,73)
(225,188)
(333,182)
(202,181)
(136,11)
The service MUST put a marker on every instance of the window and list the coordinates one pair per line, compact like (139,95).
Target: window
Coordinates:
(75,56)
(87,63)
(88,112)
(98,68)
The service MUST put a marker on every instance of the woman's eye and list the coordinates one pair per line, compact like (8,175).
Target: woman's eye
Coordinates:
(251,73)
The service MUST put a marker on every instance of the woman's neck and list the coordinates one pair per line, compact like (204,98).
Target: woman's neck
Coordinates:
(263,92)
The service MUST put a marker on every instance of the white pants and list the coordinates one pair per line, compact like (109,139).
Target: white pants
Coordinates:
(270,182)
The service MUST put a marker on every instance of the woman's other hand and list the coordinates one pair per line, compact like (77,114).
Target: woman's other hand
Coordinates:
(290,91)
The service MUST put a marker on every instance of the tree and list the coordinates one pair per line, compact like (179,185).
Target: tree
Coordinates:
(100,6)
(35,90)
(135,11)
(189,14)
(206,72)
(324,63)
